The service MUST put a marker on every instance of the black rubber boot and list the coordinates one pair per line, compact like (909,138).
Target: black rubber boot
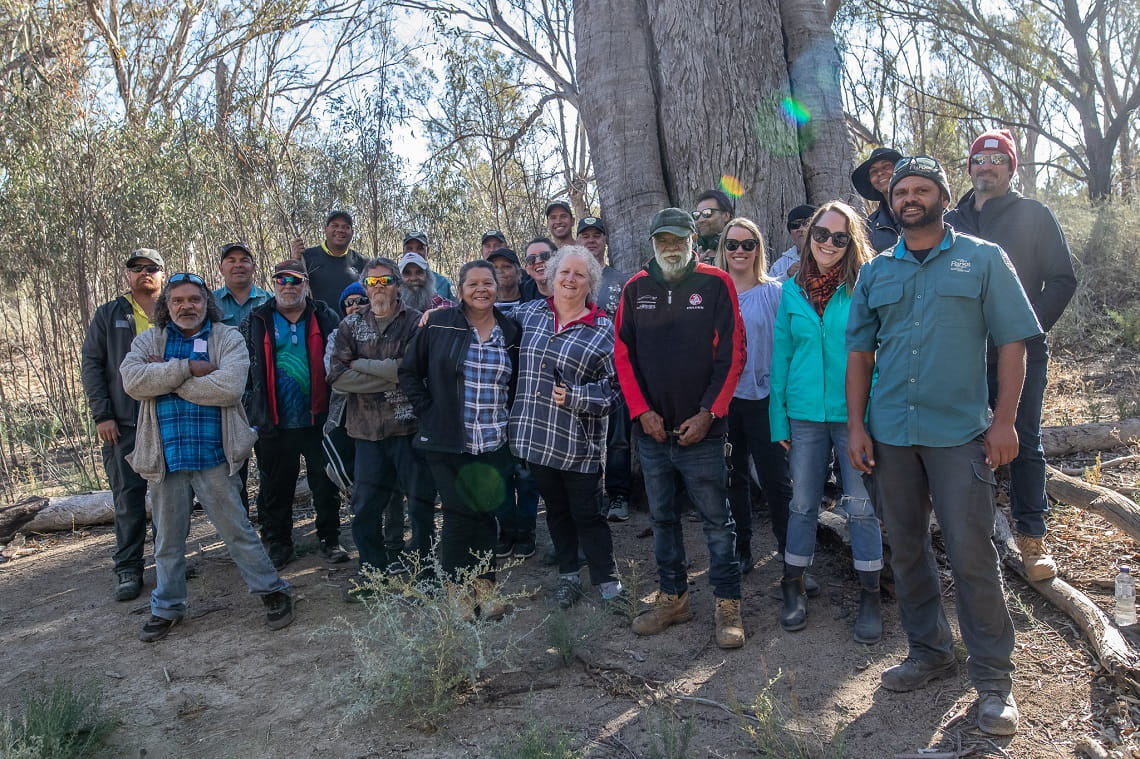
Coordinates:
(869,619)
(794,615)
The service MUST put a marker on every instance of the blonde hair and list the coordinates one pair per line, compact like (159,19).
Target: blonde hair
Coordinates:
(858,250)
(760,263)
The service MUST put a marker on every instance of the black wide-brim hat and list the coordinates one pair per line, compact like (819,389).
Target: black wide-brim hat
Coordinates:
(861,177)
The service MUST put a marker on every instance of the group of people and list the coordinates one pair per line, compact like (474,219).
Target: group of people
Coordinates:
(894,343)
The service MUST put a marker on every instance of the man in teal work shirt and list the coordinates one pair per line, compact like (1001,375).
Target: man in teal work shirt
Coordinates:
(239,295)
(920,314)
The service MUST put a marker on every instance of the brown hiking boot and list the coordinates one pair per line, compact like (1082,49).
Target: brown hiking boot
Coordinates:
(487,605)
(1039,565)
(462,602)
(729,625)
(666,610)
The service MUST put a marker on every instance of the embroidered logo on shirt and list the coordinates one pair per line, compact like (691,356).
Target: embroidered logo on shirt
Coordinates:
(646,302)
(695,299)
(960,264)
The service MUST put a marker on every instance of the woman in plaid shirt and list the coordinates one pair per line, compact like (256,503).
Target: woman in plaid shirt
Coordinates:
(558,419)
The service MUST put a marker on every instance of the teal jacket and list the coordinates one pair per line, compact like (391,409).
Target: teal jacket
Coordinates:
(809,361)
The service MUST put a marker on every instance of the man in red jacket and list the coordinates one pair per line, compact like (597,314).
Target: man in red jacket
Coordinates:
(680,408)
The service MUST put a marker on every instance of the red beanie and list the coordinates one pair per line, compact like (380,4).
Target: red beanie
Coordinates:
(997,139)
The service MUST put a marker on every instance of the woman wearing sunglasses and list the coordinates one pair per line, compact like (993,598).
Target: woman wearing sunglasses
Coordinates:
(809,410)
(741,253)
(460,372)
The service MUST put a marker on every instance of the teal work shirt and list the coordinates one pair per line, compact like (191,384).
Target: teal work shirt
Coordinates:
(928,323)
(233,313)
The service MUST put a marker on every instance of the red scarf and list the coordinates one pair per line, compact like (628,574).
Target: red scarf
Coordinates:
(818,286)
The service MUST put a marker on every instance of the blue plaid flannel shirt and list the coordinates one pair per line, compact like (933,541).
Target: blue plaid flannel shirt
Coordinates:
(486,377)
(191,434)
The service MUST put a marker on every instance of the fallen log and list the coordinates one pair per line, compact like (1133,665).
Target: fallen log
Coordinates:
(39,514)
(1110,464)
(1120,510)
(1065,441)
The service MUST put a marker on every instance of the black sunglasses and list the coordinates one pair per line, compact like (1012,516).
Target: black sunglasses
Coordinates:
(148,268)
(748,245)
(838,239)
(358,301)
(534,258)
(798,224)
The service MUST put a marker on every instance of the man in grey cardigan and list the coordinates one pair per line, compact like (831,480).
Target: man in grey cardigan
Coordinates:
(188,372)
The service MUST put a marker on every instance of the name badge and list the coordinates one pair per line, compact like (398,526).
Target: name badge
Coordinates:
(199,345)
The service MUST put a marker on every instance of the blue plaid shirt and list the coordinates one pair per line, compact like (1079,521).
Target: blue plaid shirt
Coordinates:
(191,434)
(486,376)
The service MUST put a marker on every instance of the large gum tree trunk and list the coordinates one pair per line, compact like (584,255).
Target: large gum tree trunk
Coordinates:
(677,95)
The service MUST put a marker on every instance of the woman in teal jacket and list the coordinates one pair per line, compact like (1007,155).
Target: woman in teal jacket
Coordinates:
(808,410)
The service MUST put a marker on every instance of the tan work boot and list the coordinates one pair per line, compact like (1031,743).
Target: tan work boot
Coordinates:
(729,625)
(488,606)
(462,601)
(667,610)
(1039,565)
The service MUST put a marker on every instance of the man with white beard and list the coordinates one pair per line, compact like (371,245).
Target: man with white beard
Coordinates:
(674,303)
(416,291)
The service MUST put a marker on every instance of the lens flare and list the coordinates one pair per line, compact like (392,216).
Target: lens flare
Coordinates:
(731,186)
(794,111)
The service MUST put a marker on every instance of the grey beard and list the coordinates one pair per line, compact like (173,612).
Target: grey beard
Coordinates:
(671,272)
(416,296)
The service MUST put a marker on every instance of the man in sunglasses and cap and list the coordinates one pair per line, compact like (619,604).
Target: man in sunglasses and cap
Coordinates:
(714,210)
(288,403)
(921,313)
(786,266)
(1029,234)
(678,402)
(871,180)
(188,373)
(108,340)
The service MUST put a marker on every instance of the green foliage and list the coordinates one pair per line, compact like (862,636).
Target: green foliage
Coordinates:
(569,631)
(62,721)
(768,732)
(671,737)
(541,740)
(414,649)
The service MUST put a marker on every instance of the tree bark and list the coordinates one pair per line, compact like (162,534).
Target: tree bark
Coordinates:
(677,100)
(1065,441)
(1122,512)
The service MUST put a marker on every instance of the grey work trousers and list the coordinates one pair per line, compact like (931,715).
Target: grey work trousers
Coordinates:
(908,481)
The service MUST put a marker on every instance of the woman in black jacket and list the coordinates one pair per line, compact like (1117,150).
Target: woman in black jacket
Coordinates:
(460,372)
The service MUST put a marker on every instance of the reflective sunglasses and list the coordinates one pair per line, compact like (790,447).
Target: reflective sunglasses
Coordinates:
(384,280)
(534,258)
(288,279)
(798,224)
(148,268)
(838,239)
(185,277)
(732,245)
(706,213)
(997,159)
(924,162)
(359,301)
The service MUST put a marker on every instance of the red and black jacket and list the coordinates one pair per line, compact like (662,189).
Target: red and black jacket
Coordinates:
(680,345)
(260,399)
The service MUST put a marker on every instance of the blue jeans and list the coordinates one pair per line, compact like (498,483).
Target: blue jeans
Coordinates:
(171,502)
(702,468)
(1027,501)
(812,443)
(380,466)
(959,486)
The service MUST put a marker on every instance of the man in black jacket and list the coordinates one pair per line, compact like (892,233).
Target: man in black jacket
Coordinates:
(332,265)
(107,342)
(1029,234)
(871,179)
(287,401)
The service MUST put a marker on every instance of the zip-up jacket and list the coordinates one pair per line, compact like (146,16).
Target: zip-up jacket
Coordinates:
(680,345)
(1030,235)
(882,228)
(260,399)
(809,361)
(106,344)
(431,375)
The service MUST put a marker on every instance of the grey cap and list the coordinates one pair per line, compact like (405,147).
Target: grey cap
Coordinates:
(675,221)
(149,254)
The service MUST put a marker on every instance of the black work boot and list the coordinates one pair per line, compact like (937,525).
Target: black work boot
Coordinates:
(869,620)
(794,615)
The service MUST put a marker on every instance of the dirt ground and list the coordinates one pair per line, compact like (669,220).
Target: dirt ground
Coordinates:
(222,685)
